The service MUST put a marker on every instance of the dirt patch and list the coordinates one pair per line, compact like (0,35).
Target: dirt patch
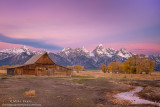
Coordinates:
(60,92)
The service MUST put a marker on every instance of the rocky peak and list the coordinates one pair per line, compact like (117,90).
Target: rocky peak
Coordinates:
(66,49)
(100,46)
(124,53)
(65,52)
(84,49)
(25,48)
(111,50)
(100,50)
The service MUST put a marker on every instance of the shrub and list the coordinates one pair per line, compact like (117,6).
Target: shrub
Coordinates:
(30,93)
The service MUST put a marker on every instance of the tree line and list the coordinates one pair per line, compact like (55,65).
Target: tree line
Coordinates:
(135,64)
(4,67)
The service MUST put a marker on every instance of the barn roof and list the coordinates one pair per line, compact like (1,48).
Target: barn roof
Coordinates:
(18,66)
(34,58)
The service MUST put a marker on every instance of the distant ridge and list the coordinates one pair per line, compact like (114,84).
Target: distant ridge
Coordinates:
(68,56)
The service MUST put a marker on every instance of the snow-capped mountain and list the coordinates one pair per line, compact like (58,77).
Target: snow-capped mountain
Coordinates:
(80,56)
(66,52)
(99,51)
(68,56)
(17,51)
(94,58)
(69,52)
(124,53)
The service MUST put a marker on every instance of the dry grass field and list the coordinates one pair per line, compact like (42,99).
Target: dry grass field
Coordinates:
(3,71)
(84,89)
(96,74)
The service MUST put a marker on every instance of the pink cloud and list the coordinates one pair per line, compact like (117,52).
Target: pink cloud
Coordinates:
(4,45)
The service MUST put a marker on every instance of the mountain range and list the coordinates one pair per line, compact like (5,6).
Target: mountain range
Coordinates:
(68,56)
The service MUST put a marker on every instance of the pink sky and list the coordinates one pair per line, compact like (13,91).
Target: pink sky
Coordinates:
(133,24)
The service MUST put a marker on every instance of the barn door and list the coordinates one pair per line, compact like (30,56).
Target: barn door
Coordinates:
(39,71)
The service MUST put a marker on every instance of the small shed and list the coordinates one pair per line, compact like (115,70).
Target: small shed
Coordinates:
(40,65)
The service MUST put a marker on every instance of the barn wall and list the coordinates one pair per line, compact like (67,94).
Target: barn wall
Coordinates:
(62,71)
(44,69)
(41,70)
(18,71)
(25,70)
(10,71)
(54,70)
(29,70)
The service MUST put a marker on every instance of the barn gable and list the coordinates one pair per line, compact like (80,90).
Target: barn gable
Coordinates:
(45,59)
(42,58)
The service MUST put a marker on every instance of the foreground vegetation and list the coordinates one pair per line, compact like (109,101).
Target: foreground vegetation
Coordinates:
(135,64)
(83,89)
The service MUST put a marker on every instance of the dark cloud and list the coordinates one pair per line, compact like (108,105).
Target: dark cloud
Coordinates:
(29,42)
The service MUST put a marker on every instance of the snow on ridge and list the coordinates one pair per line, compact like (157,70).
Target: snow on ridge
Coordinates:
(84,49)
(77,51)
(100,45)
(99,51)
(91,54)
(124,53)
(17,51)
(66,51)
(13,50)
(110,52)
(124,56)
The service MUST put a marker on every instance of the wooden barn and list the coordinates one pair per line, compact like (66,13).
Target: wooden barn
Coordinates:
(40,65)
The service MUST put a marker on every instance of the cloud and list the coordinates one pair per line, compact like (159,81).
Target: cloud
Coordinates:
(29,42)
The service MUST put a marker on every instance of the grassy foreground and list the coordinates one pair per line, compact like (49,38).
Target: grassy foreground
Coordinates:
(84,89)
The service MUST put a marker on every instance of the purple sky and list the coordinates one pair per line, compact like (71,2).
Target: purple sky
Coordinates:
(54,24)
